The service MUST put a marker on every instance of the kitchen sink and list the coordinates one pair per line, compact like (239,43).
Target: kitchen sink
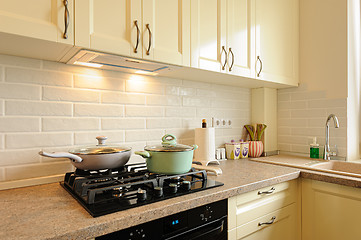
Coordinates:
(344,168)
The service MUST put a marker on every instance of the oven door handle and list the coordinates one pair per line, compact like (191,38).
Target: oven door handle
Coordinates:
(209,230)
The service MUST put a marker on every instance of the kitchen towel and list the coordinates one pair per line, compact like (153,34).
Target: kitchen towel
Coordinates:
(205,139)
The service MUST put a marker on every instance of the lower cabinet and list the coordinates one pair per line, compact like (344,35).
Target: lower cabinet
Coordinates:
(330,211)
(266,214)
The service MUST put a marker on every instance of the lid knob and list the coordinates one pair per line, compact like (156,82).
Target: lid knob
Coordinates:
(169,140)
(101,140)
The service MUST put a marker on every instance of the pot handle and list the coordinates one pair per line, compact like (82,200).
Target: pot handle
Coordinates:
(194,146)
(144,154)
(72,157)
(169,139)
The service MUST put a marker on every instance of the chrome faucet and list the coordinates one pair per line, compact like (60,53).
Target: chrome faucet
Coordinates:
(326,151)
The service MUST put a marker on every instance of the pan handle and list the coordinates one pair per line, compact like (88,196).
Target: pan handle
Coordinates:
(72,157)
(144,154)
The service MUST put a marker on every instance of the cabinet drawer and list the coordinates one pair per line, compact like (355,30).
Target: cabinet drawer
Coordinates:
(282,224)
(248,206)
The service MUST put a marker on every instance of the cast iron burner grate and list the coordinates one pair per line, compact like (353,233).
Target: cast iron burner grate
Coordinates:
(107,191)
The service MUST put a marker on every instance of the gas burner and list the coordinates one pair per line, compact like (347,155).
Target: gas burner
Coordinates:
(107,191)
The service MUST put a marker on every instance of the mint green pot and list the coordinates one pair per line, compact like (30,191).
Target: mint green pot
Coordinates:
(170,157)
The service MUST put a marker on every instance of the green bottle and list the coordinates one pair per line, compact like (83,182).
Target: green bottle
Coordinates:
(314,149)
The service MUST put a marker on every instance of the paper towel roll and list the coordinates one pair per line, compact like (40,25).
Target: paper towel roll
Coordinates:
(205,139)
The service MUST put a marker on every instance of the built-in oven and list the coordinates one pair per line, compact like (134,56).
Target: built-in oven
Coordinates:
(204,222)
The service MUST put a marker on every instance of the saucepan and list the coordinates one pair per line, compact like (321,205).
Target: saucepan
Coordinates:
(96,157)
(169,157)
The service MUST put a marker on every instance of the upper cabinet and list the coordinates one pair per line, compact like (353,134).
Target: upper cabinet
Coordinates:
(248,38)
(156,30)
(46,20)
(276,36)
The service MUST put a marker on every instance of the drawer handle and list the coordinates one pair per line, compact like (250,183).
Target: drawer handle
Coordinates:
(260,70)
(230,52)
(269,222)
(267,192)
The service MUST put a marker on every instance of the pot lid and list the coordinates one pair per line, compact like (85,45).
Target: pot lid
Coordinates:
(169,144)
(100,148)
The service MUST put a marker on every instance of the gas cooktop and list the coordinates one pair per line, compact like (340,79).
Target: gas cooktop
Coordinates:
(104,192)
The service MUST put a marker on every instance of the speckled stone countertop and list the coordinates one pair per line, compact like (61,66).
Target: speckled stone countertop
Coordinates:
(49,212)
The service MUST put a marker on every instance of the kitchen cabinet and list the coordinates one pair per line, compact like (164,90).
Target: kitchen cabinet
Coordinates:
(248,38)
(43,19)
(330,211)
(276,40)
(156,30)
(268,213)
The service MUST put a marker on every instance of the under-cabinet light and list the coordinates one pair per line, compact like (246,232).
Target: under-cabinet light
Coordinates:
(97,65)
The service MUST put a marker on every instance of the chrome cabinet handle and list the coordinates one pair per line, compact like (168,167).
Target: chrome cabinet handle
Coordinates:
(267,192)
(138,36)
(269,222)
(225,61)
(230,52)
(66,19)
(260,70)
(150,39)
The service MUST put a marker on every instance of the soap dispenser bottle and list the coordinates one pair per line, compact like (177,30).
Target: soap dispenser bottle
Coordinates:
(314,149)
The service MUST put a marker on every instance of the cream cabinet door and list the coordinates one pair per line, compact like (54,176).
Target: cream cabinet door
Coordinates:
(109,26)
(330,211)
(276,25)
(240,38)
(41,19)
(166,31)
(208,35)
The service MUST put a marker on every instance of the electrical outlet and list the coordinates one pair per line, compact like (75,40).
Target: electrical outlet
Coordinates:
(216,123)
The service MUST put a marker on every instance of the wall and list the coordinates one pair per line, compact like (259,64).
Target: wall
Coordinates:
(54,107)
(302,114)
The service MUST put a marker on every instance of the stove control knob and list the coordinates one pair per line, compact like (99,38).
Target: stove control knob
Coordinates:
(186,185)
(207,214)
(158,191)
(173,188)
(142,194)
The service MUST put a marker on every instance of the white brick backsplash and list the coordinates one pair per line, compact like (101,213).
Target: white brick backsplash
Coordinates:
(140,111)
(193,84)
(19,91)
(38,77)
(34,140)
(206,93)
(98,110)
(172,90)
(141,135)
(123,123)
(69,94)
(123,98)
(19,124)
(2,104)
(164,123)
(70,124)
(163,100)
(2,141)
(16,157)
(140,86)
(36,170)
(19,61)
(302,115)
(180,112)
(29,108)
(196,102)
(187,91)
(83,138)
(99,82)
(56,107)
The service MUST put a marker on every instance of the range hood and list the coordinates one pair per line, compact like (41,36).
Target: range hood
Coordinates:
(118,63)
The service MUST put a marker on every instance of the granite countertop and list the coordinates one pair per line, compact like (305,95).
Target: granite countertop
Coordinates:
(49,212)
